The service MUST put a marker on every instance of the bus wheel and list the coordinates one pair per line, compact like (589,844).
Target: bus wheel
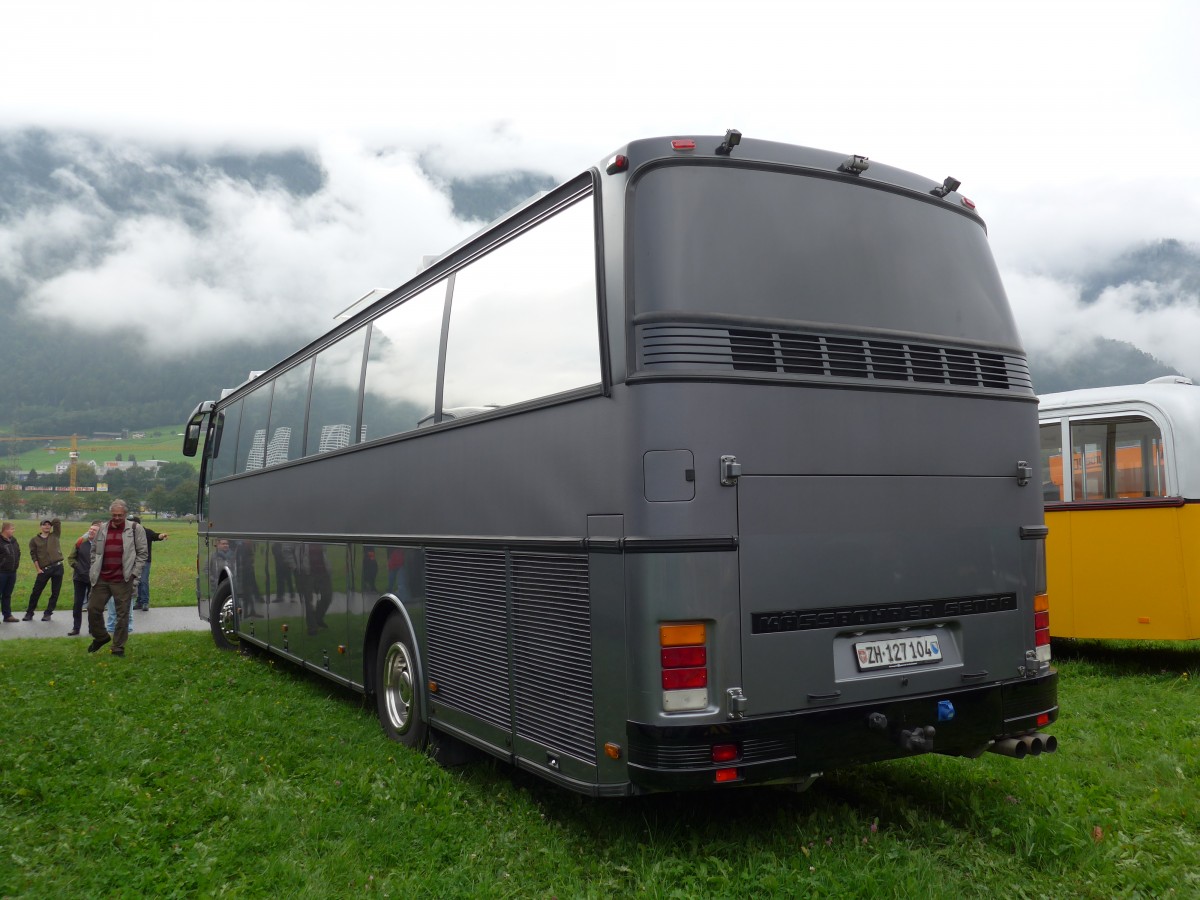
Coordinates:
(220,618)
(396,682)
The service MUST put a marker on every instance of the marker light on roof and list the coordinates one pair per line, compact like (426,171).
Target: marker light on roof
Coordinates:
(618,163)
(683,144)
(968,203)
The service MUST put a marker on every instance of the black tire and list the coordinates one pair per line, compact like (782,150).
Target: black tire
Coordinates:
(397,682)
(221,619)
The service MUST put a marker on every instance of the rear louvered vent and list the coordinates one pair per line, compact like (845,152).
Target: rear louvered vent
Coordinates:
(812,355)
(467,637)
(552,653)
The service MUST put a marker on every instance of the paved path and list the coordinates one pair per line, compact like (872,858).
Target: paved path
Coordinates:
(157,618)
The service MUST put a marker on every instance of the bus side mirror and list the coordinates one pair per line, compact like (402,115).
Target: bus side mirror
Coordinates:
(191,438)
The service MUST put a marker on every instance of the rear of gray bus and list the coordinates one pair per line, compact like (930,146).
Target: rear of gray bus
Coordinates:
(835,551)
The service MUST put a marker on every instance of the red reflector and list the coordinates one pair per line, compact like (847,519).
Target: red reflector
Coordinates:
(683,144)
(1041,620)
(725,753)
(1041,637)
(1043,719)
(722,775)
(678,679)
(969,204)
(682,657)
(618,163)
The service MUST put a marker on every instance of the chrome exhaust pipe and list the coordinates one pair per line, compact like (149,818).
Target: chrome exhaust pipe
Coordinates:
(1026,745)
(1014,747)
(1049,742)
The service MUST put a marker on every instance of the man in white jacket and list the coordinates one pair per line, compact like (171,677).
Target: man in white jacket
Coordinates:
(118,557)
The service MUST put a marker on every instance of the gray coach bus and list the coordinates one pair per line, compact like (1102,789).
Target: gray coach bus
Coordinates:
(714,466)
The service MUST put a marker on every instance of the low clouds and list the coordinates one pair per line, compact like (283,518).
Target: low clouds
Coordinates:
(190,254)
(184,248)
(1056,325)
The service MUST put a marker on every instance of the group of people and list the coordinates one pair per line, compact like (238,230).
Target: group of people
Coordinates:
(111,569)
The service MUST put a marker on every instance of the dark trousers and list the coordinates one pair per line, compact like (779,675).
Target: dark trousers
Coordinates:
(54,575)
(317,591)
(284,585)
(81,594)
(8,581)
(122,593)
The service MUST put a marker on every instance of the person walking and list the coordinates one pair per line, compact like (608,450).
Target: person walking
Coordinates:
(47,558)
(143,595)
(80,561)
(10,561)
(118,556)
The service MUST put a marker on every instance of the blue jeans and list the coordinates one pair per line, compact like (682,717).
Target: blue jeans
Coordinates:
(110,617)
(143,594)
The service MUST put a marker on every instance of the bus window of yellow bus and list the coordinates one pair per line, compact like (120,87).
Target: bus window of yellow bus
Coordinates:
(1117,459)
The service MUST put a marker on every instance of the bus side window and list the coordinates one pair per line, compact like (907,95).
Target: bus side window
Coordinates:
(225,441)
(523,318)
(402,362)
(333,405)
(287,415)
(1117,459)
(252,434)
(1052,468)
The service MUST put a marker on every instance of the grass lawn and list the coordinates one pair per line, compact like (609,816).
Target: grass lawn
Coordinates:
(183,771)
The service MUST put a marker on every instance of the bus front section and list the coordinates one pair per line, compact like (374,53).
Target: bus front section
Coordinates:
(837,556)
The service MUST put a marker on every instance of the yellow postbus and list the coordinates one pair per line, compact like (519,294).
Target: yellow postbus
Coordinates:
(1121,483)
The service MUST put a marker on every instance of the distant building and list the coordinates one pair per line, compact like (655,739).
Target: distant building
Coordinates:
(114,465)
(334,437)
(281,442)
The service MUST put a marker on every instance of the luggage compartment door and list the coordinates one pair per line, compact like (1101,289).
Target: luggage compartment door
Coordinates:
(857,588)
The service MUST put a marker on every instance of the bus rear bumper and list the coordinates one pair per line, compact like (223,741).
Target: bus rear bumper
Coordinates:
(794,747)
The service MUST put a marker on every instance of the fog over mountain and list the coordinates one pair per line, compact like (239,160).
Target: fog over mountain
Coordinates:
(137,278)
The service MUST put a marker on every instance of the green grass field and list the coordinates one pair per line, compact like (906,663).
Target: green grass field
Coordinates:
(172,577)
(182,771)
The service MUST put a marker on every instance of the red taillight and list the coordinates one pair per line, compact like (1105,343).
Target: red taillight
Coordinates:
(723,775)
(682,679)
(683,657)
(1043,719)
(723,753)
(1041,625)
(683,653)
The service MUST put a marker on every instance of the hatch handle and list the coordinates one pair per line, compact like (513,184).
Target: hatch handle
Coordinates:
(1024,473)
(731,470)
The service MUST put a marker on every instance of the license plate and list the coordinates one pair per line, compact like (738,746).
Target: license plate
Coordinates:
(911,650)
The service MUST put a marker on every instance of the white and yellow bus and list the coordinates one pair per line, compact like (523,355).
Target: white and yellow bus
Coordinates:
(1121,481)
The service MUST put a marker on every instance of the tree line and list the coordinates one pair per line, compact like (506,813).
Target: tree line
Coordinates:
(172,489)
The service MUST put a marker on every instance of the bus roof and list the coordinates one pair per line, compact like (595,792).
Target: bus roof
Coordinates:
(709,148)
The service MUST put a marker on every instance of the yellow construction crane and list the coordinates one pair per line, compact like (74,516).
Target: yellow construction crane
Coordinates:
(74,451)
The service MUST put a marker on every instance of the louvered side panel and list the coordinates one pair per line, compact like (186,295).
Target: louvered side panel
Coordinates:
(812,355)
(466,633)
(552,650)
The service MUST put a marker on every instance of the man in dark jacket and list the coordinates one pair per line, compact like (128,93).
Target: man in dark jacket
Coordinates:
(142,601)
(10,560)
(80,560)
(47,558)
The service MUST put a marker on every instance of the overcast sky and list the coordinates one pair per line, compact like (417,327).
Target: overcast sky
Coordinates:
(1073,125)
